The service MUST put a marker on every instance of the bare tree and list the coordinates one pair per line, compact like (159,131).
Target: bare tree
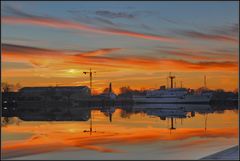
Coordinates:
(235,91)
(5,87)
(125,90)
(106,90)
(17,86)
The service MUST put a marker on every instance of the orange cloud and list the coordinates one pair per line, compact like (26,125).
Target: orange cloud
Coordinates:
(99,52)
(53,66)
(58,59)
(63,24)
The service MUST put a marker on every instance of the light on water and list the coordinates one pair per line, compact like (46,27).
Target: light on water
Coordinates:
(126,133)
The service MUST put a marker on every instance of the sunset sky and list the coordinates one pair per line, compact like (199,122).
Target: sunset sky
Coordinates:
(132,44)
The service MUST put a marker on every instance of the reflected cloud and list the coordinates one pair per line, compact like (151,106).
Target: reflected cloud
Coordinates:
(54,136)
(57,141)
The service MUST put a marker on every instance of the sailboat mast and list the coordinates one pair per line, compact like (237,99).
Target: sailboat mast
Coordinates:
(205,81)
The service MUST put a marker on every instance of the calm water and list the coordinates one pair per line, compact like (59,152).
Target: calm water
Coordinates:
(138,132)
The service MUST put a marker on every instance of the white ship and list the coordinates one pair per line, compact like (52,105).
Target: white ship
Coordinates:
(172,96)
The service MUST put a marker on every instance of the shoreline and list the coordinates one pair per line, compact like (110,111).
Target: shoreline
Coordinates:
(227,154)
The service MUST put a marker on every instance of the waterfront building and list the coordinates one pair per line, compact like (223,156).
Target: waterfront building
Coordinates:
(57,93)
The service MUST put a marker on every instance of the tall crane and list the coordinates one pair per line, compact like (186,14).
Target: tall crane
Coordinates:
(90,74)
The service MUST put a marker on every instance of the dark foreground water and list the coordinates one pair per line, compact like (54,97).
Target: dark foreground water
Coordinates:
(138,132)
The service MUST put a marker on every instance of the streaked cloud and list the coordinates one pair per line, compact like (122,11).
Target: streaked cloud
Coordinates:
(82,17)
(15,65)
(100,58)
(99,52)
(111,14)
(70,25)
(207,36)
(14,11)
(200,55)
(45,57)
(228,29)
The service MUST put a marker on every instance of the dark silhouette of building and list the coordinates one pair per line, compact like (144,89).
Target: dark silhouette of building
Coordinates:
(58,92)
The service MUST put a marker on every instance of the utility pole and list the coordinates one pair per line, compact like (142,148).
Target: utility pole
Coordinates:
(205,122)
(172,127)
(205,81)
(181,84)
(90,74)
(110,87)
(167,82)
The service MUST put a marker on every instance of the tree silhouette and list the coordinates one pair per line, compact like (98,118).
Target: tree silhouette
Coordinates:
(5,87)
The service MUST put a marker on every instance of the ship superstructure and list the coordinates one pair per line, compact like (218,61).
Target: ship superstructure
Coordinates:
(173,95)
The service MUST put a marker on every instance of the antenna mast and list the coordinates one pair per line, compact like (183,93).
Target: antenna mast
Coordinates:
(167,83)
(205,81)
(171,77)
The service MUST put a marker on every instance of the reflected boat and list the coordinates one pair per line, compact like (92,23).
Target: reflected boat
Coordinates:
(187,107)
(164,113)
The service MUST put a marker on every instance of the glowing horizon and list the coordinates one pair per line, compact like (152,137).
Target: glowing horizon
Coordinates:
(125,45)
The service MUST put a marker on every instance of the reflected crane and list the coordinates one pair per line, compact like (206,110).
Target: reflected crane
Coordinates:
(90,75)
(91,123)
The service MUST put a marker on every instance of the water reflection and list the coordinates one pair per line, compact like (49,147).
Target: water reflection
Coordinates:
(165,112)
(124,126)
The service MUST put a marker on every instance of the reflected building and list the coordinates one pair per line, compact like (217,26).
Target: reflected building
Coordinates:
(72,114)
(108,111)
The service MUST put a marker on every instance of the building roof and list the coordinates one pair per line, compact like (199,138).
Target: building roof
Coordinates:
(54,87)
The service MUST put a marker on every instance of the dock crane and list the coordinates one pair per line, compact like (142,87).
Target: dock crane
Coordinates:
(90,75)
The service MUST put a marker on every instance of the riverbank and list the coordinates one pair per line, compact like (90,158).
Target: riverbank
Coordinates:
(228,154)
